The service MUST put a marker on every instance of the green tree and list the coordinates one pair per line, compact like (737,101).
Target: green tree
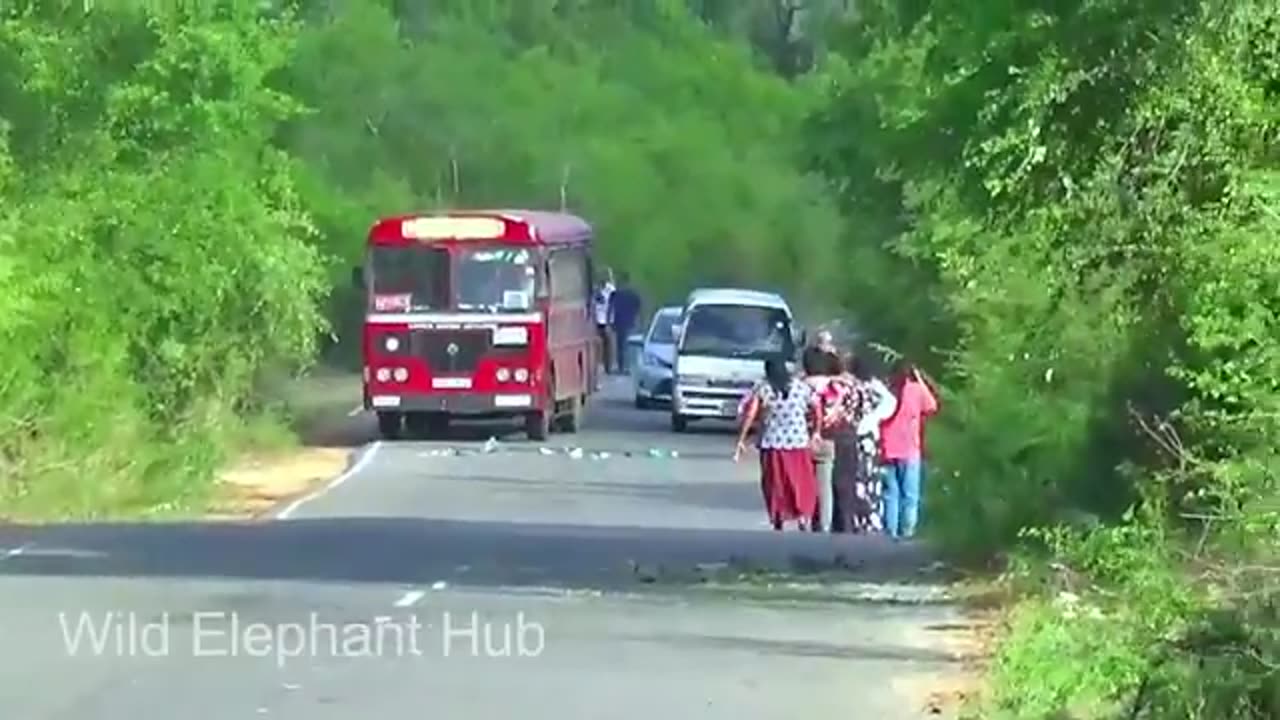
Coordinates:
(1088,186)
(158,246)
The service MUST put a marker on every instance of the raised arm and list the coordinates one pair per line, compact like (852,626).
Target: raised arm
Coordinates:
(928,396)
(885,406)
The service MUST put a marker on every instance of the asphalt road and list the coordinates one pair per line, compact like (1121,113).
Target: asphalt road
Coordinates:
(441,580)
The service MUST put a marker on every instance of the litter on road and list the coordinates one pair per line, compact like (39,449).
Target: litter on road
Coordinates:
(492,446)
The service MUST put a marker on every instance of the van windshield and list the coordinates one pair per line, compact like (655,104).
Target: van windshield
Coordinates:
(738,331)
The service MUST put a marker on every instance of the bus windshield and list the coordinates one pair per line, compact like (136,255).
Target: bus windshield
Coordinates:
(408,278)
(738,331)
(496,279)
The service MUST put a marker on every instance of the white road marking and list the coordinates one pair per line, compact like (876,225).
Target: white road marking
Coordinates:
(356,411)
(15,552)
(351,472)
(410,599)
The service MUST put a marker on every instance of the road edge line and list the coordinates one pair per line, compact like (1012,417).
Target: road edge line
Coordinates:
(359,465)
(409,599)
(18,551)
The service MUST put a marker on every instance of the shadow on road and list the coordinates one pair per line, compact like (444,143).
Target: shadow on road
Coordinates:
(711,495)
(395,550)
(792,648)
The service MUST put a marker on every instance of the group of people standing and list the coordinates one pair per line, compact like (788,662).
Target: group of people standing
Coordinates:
(616,308)
(840,450)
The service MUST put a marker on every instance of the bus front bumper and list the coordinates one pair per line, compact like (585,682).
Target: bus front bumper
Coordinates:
(458,403)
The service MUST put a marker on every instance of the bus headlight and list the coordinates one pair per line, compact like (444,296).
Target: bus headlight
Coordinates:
(383,374)
(401,374)
(503,375)
(391,343)
(522,375)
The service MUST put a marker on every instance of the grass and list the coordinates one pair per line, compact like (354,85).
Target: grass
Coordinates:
(79,469)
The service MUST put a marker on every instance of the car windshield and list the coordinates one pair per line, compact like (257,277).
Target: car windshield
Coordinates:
(664,328)
(408,278)
(743,331)
(496,279)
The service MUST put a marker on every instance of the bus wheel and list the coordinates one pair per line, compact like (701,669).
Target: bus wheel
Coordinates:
(389,425)
(537,424)
(572,421)
(679,423)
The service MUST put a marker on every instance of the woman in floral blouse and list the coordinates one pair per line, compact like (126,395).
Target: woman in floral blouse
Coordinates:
(789,431)
(857,477)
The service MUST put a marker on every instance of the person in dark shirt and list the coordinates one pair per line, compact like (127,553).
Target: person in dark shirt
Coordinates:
(624,310)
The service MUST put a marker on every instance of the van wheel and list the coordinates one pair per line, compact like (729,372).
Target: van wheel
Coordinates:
(390,425)
(679,423)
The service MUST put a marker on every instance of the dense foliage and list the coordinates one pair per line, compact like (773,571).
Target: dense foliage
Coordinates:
(154,251)
(667,135)
(182,185)
(1088,193)
(1067,210)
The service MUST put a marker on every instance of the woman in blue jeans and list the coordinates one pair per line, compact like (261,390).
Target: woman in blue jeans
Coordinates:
(902,442)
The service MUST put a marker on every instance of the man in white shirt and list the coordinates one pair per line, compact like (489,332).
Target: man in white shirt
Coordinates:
(603,301)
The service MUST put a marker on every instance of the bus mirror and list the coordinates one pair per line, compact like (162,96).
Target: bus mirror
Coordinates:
(357,277)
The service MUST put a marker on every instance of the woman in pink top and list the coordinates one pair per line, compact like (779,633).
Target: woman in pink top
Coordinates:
(901,442)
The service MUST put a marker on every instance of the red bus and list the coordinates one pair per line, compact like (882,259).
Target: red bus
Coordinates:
(478,314)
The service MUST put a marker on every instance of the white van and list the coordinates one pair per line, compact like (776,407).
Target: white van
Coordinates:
(724,337)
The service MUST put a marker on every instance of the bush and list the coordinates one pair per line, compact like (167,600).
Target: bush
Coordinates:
(183,188)
(1092,188)
(156,254)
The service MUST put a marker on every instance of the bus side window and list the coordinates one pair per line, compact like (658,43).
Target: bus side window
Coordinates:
(584,269)
(566,276)
(545,287)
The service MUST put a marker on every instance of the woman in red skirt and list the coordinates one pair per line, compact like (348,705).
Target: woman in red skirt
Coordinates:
(787,409)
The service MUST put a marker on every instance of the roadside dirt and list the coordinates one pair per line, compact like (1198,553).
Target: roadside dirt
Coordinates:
(257,485)
(951,693)
(959,692)
(328,427)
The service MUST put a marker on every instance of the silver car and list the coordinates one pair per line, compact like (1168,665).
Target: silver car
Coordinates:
(652,370)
